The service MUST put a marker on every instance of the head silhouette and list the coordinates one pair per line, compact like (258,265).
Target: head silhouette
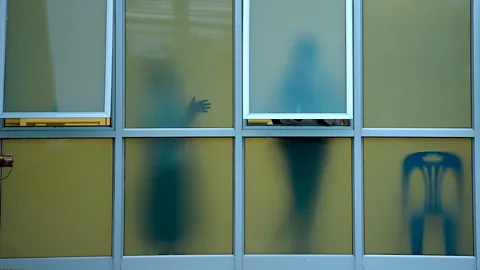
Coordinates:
(160,74)
(301,81)
(305,54)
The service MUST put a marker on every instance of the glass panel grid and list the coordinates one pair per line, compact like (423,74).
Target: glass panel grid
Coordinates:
(239,136)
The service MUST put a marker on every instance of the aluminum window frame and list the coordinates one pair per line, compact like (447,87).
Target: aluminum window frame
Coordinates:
(109,46)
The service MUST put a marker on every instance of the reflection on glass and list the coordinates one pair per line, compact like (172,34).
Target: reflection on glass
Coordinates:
(299,122)
(417,71)
(56,122)
(178,196)
(300,69)
(179,62)
(57,201)
(303,86)
(418,197)
(162,82)
(55,56)
(298,201)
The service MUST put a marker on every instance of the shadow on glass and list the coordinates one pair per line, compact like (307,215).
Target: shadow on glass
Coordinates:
(418,197)
(304,157)
(298,196)
(178,196)
(433,166)
(178,56)
(305,83)
(165,89)
(165,210)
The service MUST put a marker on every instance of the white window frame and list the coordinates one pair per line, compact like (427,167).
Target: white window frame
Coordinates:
(106,113)
(348,64)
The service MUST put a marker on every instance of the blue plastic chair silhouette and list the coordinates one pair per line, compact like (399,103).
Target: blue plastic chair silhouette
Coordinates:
(433,166)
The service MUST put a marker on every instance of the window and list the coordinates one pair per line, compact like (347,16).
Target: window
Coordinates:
(177,180)
(303,71)
(58,64)
(398,210)
(179,64)
(298,195)
(417,72)
(62,188)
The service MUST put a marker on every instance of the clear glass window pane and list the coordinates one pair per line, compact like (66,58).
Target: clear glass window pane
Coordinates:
(57,201)
(427,212)
(55,56)
(178,196)
(297,65)
(179,64)
(298,196)
(417,71)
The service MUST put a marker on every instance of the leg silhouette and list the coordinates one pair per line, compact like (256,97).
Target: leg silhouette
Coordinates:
(304,160)
(165,203)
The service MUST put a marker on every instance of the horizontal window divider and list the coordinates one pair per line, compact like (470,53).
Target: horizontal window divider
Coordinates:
(71,263)
(411,262)
(178,132)
(299,132)
(419,132)
(108,132)
(294,262)
(193,262)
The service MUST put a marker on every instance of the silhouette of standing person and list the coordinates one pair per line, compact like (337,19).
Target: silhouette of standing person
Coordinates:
(305,158)
(166,207)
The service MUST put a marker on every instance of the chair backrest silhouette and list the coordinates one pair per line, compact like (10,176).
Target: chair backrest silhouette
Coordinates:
(433,166)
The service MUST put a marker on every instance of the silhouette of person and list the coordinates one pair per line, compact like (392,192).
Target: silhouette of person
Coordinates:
(305,158)
(166,207)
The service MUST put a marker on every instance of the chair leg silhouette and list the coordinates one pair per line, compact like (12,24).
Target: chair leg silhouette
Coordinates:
(450,236)
(417,223)
(432,165)
(417,227)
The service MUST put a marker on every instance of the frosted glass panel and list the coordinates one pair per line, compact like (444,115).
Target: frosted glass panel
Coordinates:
(57,201)
(298,196)
(179,64)
(418,196)
(178,196)
(297,56)
(55,56)
(417,71)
